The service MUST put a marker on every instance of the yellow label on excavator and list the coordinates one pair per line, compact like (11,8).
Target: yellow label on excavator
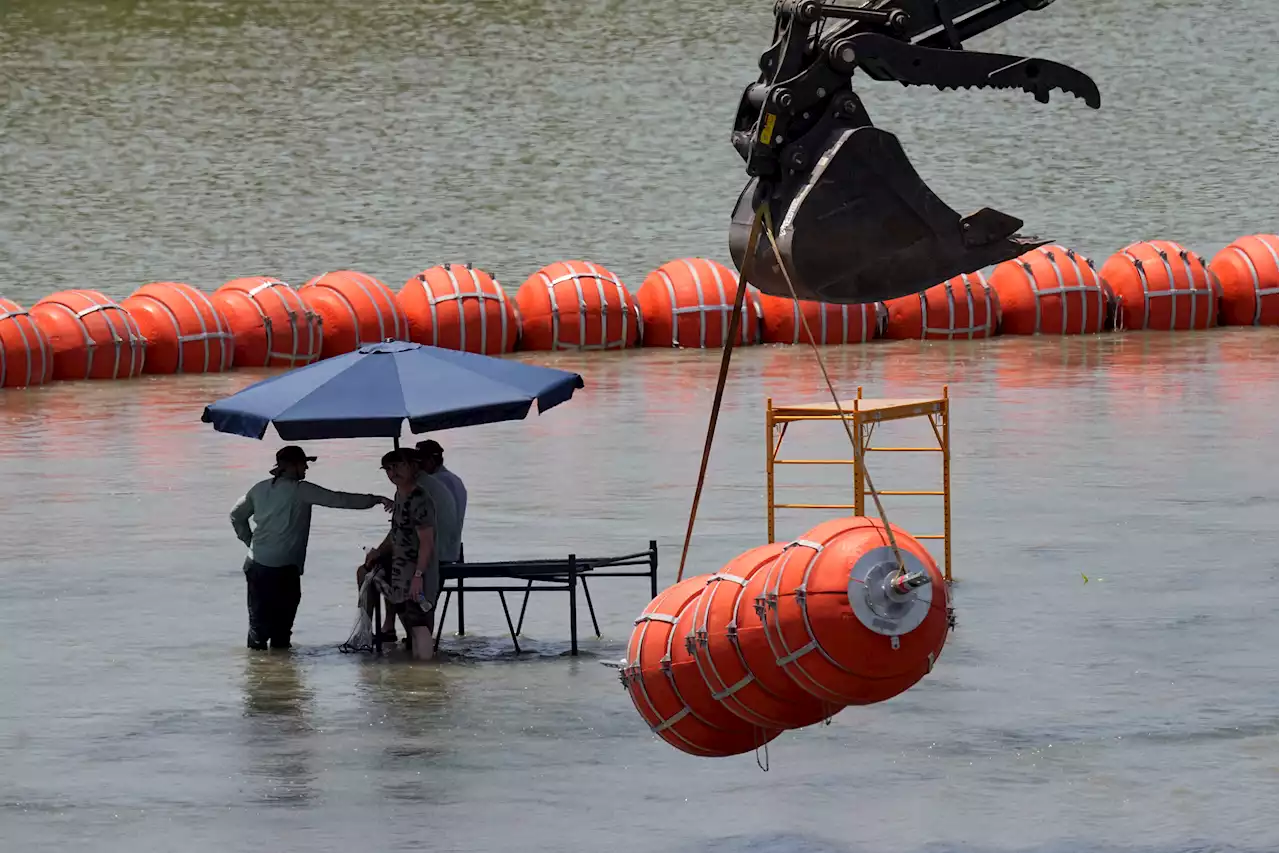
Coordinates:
(766,132)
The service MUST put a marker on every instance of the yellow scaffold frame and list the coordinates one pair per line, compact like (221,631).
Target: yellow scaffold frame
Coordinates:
(864,415)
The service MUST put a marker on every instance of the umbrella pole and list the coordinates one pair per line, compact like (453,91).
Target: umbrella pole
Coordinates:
(377,596)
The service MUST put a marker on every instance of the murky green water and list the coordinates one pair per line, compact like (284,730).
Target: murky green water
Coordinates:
(203,141)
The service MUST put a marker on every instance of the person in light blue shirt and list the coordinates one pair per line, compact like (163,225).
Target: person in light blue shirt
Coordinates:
(432,456)
(277,542)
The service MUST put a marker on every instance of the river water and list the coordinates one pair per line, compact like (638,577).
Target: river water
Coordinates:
(203,141)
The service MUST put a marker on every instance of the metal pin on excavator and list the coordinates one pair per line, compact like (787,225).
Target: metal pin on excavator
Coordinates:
(855,223)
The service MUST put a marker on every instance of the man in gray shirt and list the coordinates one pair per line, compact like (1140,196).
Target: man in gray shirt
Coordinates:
(281,508)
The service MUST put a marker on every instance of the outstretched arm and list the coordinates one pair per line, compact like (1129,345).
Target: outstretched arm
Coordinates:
(320,496)
(240,515)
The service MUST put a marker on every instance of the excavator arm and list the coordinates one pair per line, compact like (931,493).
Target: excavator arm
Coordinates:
(854,222)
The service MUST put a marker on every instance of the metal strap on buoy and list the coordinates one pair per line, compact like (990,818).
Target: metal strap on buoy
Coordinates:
(600,277)
(1063,289)
(723,308)
(460,296)
(952,331)
(1173,292)
(46,349)
(311,318)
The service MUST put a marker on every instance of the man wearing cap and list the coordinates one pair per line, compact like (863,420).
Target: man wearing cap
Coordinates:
(432,455)
(281,509)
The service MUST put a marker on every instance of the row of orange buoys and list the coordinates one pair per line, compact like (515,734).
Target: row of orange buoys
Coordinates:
(786,635)
(172,327)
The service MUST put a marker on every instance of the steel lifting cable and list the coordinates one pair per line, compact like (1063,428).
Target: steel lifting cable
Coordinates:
(735,321)
(858,456)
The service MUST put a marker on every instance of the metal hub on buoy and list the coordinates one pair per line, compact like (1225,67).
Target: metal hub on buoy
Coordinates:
(886,600)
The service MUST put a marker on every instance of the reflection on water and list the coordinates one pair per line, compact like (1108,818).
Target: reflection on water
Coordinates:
(278,738)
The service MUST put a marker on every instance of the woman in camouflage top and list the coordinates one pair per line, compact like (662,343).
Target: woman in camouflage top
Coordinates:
(407,558)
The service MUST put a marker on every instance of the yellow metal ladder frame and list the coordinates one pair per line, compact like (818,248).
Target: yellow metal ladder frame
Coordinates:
(864,415)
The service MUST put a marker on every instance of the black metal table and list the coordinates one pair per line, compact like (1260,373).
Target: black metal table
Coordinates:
(563,574)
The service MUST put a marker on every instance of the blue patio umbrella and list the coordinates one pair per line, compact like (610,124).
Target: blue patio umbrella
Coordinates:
(369,393)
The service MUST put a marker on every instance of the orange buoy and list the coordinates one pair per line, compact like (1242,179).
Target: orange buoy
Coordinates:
(270,323)
(720,616)
(689,302)
(781,323)
(648,676)
(461,308)
(355,309)
(92,337)
(576,305)
(25,355)
(1051,290)
(1249,273)
(1161,286)
(843,623)
(185,332)
(963,307)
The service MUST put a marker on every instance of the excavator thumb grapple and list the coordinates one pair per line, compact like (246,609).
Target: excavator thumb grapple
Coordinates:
(852,219)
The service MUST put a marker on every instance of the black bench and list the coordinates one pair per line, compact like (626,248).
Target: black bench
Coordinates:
(563,574)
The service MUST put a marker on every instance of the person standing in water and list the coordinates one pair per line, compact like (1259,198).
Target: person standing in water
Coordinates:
(281,509)
(448,529)
(407,562)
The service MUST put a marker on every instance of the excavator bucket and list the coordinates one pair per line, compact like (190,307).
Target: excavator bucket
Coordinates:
(852,220)
(863,227)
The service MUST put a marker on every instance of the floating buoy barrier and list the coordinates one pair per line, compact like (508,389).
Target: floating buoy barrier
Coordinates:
(92,337)
(781,321)
(355,309)
(688,303)
(1248,272)
(1162,287)
(25,355)
(460,307)
(733,653)
(648,677)
(961,308)
(185,332)
(576,305)
(786,635)
(271,325)
(1051,290)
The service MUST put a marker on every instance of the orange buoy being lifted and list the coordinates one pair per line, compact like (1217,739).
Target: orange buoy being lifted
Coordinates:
(1051,290)
(271,324)
(649,680)
(831,324)
(733,655)
(576,305)
(460,307)
(355,309)
(185,332)
(785,636)
(92,337)
(1248,271)
(688,303)
(1161,286)
(964,307)
(842,620)
(25,355)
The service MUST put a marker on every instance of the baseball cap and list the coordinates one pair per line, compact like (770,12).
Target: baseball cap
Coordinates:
(291,454)
(430,447)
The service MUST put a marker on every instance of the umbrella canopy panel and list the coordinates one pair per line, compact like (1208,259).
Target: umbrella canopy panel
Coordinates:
(369,393)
